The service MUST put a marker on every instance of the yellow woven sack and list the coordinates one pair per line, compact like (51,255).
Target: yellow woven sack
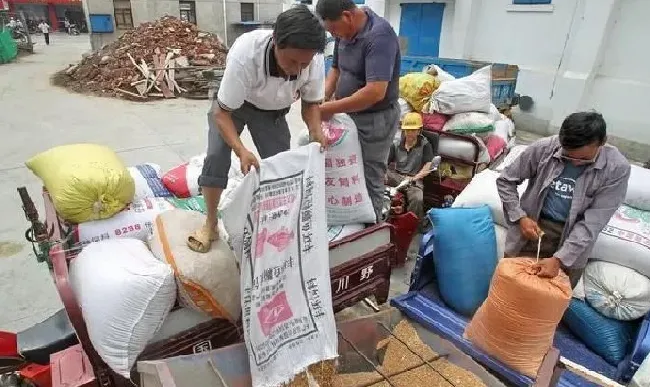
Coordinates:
(86,181)
(416,89)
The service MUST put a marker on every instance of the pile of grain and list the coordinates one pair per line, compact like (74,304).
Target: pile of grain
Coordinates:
(321,373)
(131,65)
(399,363)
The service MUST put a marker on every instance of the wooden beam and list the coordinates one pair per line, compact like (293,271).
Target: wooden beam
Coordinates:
(588,374)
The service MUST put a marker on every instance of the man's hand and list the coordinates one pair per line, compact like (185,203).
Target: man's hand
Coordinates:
(547,268)
(397,210)
(247,160)
(320,138)
(530,229)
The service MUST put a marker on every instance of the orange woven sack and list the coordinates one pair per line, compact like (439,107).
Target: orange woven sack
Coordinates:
(517,321)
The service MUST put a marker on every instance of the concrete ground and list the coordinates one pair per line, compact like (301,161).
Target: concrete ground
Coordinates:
(35,116)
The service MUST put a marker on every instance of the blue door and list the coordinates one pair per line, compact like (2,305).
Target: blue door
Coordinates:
(420,24)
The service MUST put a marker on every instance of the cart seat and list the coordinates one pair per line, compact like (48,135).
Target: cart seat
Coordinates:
(38,342)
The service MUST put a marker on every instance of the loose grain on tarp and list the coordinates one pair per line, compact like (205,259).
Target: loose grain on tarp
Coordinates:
(408,362)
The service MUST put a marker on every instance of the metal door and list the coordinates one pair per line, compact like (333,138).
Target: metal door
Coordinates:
(420,27)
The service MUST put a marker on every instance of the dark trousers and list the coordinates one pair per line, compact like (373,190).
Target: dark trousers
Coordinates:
(550,244)
(47,39)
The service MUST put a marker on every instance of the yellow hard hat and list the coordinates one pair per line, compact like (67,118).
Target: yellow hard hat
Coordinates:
(412,121)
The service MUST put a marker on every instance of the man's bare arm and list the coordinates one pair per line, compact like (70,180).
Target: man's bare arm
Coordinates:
(330,82)
(311,116)
(426,169)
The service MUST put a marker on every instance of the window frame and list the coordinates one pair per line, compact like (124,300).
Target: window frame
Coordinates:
(120,13)
(531,2)
(191,11)
(247,12)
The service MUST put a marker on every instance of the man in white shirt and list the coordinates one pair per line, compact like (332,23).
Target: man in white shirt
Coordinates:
(266,71)
(45,29)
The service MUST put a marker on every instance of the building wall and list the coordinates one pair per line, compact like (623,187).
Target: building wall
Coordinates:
(572,55)
(209,15)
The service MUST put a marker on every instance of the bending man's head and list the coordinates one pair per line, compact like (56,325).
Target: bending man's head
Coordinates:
(581,136)
(339,17)
(298,36)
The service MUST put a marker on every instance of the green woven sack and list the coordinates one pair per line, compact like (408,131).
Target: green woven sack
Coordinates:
(8,48)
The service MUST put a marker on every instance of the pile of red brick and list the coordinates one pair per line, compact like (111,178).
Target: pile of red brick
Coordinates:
(164,58)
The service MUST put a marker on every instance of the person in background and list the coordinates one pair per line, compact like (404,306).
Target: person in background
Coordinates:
(266,71)
(576,181)
(410,158)
(45,29)
(66,23)
(12,23)
(364,82)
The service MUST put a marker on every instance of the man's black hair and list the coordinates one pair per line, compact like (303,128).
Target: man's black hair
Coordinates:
(331,10)
(299,28)
(581,129)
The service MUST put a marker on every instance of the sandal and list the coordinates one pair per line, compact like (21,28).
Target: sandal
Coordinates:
(201,239)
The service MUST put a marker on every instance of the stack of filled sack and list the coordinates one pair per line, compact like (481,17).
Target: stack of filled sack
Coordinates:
(134,266)
(614,292)
(461,106)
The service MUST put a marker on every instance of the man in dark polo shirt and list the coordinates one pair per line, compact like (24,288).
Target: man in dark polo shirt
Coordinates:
(364,82)
(410,158)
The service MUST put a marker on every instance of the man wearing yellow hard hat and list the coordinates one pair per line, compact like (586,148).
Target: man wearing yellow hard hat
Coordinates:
(410,158)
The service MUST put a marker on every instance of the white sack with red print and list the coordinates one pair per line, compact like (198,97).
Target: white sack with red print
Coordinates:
(135,221)
(346,195)
(278,231)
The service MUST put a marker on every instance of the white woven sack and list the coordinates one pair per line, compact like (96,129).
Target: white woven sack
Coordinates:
(278,231)
(501,233)
(345,189)
(443,76)
(579,289)
(638,188)
(483,190)
(504,128)
(336,233)
(404,107)
(616,291)
(625,240)
(462,149)
(148,181)
(125,294)
(207,282)
(512,155)
(135,221)
(235,176)
(468,94)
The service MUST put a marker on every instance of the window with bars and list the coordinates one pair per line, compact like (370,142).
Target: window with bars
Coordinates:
(247,12)
(122,13)
(188,11)
(531,2)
